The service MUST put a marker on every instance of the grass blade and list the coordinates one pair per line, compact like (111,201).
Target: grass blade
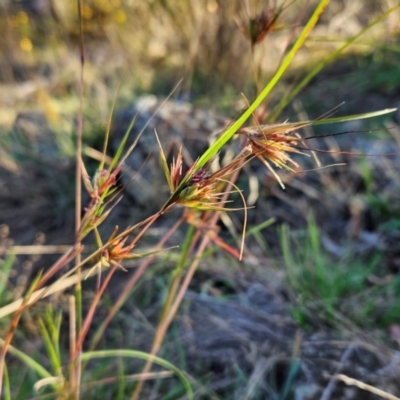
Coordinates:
(222,140)
(28,361)
(227,135)
(353,117)
(322,64)
(5,272)
(143,356)
(6,388)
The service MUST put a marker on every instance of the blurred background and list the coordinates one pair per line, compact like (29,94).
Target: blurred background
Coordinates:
(148,46)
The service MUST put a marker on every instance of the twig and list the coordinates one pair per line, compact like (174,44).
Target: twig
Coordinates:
(361,385)
(326,395)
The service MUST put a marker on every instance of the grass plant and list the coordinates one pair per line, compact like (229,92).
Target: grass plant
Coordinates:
(203,194)
(319,283)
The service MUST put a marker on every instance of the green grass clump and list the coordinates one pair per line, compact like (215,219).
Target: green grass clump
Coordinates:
(337,291)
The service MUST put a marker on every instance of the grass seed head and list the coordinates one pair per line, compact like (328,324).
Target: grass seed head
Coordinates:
(257,27)
(273,143)
(201,191)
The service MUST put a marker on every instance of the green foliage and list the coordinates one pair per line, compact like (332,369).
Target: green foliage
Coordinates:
(7,387)
(320,65)
(49,328)
(143,356)
(335,290)
(5,269)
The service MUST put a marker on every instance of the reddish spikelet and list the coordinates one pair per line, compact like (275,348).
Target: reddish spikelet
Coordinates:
(176,170)
(257,27)
(273,143)
(100,188)
(203,190)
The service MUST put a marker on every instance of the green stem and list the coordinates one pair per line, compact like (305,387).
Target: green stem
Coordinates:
(227,135)
(177,273)
(293,93)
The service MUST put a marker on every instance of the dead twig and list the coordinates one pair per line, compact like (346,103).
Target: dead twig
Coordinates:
(361,385)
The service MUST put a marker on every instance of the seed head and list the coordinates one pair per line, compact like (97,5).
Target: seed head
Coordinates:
(274,143)
(257,27)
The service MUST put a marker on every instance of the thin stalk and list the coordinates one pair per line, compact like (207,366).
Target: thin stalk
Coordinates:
(11,331)
(63,260)
(7,388)
(78,202)
(293,93)
(96,300)
(256,69)
(69,279)
(193,267)
(170,314)
(62,284)
(49,335)
(72,341)
(131,283)
(142,356)
(191,239)
(7,342)
(116,264)
(28,361)
(227,135)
